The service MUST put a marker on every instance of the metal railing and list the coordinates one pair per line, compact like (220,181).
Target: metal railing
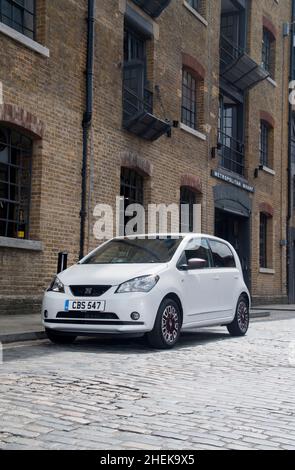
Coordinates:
(229,52)
(134,104)
(232,154)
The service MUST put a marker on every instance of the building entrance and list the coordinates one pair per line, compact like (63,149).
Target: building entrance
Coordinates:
(236,230)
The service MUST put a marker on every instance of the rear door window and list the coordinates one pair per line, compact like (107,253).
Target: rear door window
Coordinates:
(223,257)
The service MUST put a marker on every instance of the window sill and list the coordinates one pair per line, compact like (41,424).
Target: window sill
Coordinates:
(21,38)
(194,132)
(272,82)
(195,13)
(267,271)
(31,245)
(268,170)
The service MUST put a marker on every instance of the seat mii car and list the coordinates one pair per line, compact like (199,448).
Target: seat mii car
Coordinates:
(156,285)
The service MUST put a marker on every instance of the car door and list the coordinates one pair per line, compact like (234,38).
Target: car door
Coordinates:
(197,284)
(226,277)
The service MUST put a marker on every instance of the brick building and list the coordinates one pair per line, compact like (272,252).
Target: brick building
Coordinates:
(190,105)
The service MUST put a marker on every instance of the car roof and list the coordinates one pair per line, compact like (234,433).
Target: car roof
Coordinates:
(172,235)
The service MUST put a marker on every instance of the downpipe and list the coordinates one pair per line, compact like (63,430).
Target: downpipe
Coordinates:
(87,118)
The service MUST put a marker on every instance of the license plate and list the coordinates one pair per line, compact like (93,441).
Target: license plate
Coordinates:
(85,305)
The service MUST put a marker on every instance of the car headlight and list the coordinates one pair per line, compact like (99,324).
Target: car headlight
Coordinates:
(138,284)
(56,286)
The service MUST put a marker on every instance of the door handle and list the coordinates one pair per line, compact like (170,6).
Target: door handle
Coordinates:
(216,278)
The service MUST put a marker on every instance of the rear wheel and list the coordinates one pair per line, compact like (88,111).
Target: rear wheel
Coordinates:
(59,338)
(240,325)
(167,326)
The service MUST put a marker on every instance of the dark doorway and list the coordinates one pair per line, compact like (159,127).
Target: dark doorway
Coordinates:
(236,230)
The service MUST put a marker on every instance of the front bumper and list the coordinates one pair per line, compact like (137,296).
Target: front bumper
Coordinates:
(116,317)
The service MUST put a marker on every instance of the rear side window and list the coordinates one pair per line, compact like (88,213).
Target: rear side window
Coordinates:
(222,255)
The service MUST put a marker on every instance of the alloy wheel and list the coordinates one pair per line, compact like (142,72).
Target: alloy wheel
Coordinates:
(170,324)
(243,316)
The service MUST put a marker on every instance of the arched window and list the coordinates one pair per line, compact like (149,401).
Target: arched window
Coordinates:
(265,131)
(268,52)
(15,183)
(265,238)
(132,188)
(189,99)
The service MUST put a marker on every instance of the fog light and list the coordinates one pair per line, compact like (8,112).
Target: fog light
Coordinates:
(135,316)
(45,314)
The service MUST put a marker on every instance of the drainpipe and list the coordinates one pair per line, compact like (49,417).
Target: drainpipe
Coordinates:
(289,215)
(87,118)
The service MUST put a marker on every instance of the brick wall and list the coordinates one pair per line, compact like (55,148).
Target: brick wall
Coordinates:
(52,90)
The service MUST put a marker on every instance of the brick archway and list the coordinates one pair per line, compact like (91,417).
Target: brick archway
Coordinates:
(267,209)
(192,182)
(19,117)
(133,161)
(193,65)
(268,118)
(267,24)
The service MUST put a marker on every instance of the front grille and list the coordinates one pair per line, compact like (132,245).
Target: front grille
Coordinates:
(89,291)
(88,315)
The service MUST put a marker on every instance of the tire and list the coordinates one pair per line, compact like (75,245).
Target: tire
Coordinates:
(59,338)
(166,331)
(240,324)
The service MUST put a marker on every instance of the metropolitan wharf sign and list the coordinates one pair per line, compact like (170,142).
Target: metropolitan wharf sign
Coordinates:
(236,181)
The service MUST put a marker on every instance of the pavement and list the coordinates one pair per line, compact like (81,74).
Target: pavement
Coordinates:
(20,328)
(15,328)
(211,392)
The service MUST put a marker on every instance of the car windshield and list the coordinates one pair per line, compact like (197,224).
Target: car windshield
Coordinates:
(139,250)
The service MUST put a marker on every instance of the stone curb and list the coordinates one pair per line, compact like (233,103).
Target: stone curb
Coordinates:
(18,337)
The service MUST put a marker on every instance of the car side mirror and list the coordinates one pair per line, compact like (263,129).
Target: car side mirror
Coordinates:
(194,263)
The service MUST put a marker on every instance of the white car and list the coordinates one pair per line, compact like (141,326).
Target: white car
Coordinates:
(153,284)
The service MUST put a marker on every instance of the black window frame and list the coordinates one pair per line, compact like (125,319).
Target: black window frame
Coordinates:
(25,13)
(15,184)
(137,96)
(268,41)
(263,240)
(231,130)
(131,181)
(188,196)
(189,99)
(195,4)
(264,143)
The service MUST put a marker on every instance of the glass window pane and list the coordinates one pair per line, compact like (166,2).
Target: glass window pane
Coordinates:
(15,183)
(6,8)
(222,255)
(30,5)
(19,14)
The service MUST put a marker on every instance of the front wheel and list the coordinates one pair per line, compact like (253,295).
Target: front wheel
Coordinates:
(167,326)
(240,324)
(59,338)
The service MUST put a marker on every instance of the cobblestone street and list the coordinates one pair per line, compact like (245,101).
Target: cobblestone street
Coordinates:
(211,392)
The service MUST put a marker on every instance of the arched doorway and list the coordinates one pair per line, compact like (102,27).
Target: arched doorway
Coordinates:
(232,223)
